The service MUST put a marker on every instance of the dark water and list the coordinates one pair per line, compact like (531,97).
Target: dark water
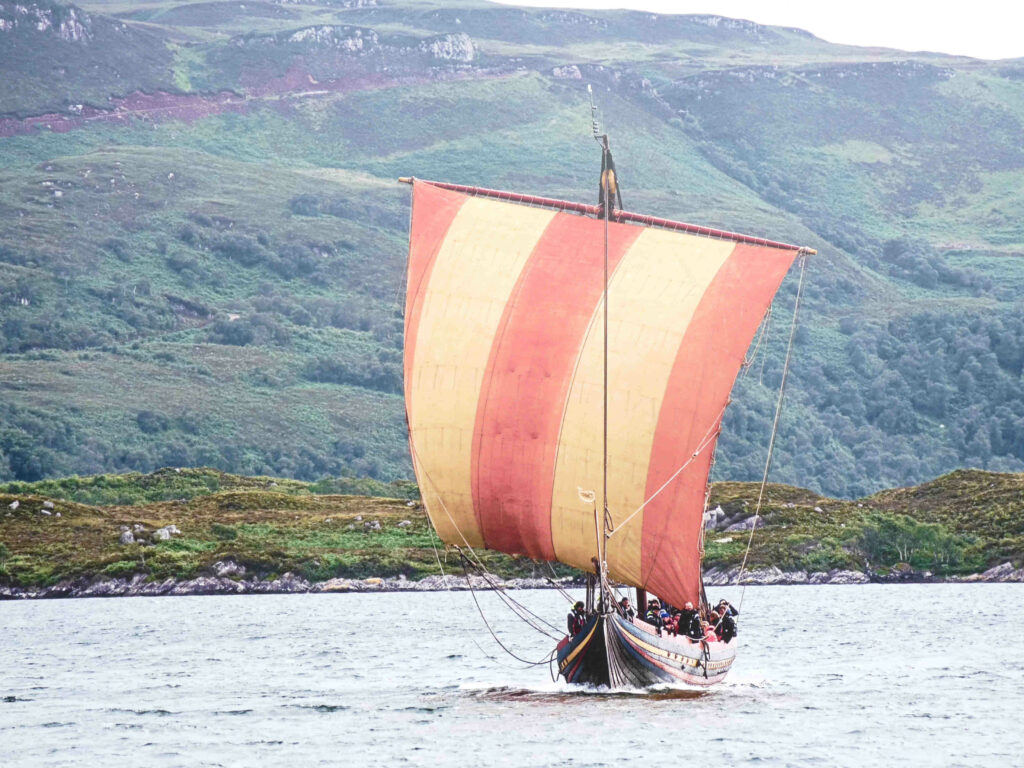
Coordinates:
(867,675)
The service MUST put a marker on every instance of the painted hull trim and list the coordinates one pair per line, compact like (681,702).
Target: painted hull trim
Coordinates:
(614,652)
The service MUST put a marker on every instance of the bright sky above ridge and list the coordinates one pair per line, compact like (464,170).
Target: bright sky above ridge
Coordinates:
(984,29)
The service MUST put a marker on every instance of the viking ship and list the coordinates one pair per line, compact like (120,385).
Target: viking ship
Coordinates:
(567,369)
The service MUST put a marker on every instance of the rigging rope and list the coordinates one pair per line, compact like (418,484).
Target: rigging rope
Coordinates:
(775,426)
(561,590)
(437,557)
(487,624)
(709,436)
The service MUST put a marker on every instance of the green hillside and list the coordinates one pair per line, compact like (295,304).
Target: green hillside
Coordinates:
(202,244)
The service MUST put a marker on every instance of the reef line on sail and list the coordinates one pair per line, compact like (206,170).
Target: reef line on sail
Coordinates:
(504,375)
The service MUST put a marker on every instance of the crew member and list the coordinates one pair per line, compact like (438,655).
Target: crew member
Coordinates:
(727,623)
(689,623)
(627,610)
(576,619)
(654,614)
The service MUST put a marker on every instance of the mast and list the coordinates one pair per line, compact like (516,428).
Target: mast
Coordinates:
(609,193)
(605,526)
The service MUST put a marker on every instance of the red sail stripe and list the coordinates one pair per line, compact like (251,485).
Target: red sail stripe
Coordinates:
(528,377)
(433,211)
(702,377)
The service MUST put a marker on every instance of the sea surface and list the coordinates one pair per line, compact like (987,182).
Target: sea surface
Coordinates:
(870,675)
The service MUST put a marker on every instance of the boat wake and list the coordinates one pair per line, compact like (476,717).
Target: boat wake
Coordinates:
(562,691)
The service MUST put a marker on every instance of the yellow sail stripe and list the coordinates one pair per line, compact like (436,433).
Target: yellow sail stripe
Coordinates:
(474,274)
(652,295)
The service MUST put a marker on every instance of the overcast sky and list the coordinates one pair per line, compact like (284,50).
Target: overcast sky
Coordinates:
(985,29)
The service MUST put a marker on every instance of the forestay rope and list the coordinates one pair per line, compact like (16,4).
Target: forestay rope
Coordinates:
(775,425)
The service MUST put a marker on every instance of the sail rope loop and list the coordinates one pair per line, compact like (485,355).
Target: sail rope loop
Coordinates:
(437,557)
(551,580)
(764,355)
(467,564)
(762,338)
(505,648)
(775,425)
(528,617)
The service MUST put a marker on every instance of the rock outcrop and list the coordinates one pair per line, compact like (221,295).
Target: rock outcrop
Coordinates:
(456,47)
(68,23)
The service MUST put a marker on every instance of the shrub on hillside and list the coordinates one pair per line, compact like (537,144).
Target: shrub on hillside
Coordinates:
(381,372)
(241,248)
(260,328)
(151,422)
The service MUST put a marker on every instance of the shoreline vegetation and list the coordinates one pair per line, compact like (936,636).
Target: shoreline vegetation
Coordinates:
(201,531)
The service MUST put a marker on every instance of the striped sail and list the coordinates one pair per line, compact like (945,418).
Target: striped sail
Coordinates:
(504,378)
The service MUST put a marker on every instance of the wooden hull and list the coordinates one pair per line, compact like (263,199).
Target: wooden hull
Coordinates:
(613,652)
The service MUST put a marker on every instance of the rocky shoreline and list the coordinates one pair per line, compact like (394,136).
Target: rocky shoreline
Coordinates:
(228,578)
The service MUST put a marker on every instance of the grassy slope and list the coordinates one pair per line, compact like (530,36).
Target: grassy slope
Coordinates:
(276,525)
(125,263)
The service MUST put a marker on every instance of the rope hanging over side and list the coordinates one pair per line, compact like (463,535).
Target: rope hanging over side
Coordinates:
(505,648)
(775,424)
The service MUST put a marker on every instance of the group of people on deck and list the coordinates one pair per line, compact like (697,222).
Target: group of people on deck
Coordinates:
(719,625)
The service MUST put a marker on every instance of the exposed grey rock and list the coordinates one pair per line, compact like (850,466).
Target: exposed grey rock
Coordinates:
(127,537)
(207,585)
(339,37)
(433,583)
(47,505)
(770,575)
(819,510)
(372,525)
(14,505)
(569,72)
(405,524)
(1004,572)
(754,521)
(847,577)
(165,533)
(228,568)
(452,47)
(714,517)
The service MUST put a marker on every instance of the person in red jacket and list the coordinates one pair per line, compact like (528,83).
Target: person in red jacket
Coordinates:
(709,627)
(576,619)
